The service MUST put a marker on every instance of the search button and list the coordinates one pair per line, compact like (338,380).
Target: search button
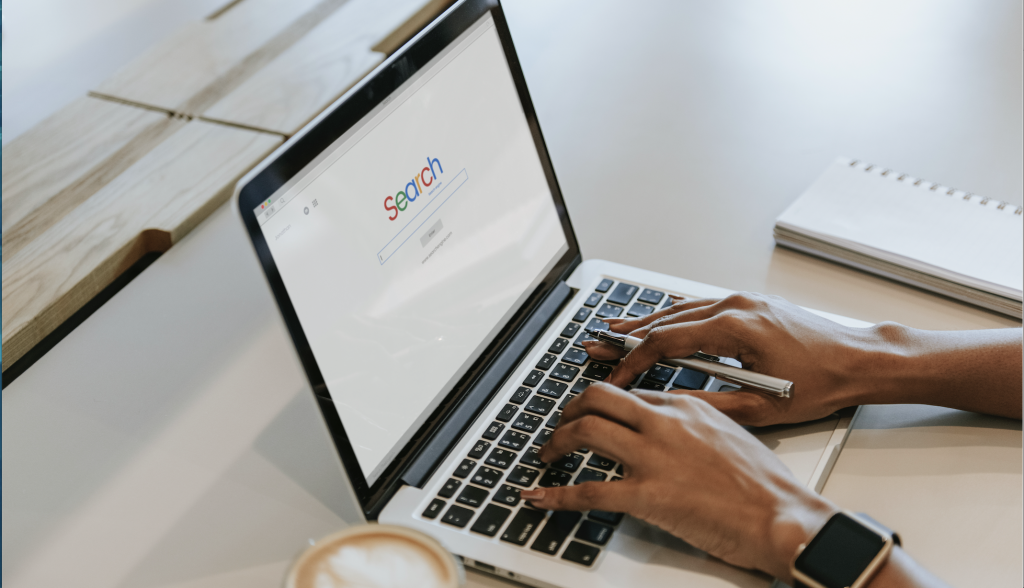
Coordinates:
(433,230)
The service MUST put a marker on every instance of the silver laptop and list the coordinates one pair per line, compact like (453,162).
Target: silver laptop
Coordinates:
(418,247)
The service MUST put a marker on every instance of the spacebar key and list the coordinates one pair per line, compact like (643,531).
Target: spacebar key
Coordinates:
(560,525)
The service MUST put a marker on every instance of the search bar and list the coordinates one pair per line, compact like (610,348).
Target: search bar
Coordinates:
(417,222)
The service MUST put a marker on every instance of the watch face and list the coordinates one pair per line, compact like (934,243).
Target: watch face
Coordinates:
(839,552)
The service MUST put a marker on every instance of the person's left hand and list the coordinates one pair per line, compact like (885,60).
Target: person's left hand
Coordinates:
(690,470)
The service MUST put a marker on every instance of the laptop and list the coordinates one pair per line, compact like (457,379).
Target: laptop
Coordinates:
(419,250)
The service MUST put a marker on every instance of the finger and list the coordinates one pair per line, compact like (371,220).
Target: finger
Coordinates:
(746,407)
(611,497)
(593,432)
(629,325)
(679,340)
(603,351)
(607,402)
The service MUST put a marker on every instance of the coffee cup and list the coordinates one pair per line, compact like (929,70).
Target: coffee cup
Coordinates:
(376,556)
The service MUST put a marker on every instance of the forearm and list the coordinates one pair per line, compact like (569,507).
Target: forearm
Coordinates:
(969,370)
(901,571)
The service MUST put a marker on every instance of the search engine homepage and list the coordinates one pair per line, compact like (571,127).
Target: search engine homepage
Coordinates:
(404,251)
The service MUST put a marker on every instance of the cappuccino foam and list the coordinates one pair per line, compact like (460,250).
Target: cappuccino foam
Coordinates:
(373,560)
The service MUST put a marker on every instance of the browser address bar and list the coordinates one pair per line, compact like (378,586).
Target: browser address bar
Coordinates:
(424,214)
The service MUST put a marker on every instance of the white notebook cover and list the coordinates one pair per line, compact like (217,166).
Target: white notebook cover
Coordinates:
(931,228)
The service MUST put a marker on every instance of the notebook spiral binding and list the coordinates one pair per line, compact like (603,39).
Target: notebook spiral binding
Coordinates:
(934,187)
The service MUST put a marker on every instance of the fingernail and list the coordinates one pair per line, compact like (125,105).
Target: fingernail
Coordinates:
(612,320)
(537,494)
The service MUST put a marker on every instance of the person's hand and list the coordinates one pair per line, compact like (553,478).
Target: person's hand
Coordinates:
(690,470)
(825,361)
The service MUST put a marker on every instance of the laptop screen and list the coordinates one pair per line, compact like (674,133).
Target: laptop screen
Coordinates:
(408,244)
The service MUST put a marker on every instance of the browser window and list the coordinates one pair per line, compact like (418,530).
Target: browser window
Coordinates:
(407,246)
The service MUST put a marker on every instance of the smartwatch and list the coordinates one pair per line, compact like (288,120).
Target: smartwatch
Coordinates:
(846,553)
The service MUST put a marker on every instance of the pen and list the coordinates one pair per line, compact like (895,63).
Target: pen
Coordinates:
(709,364)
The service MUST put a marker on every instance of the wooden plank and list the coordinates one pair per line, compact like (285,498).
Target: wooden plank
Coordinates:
(267,68)
(202,62)
(150,206)
(301,82)
(67,157)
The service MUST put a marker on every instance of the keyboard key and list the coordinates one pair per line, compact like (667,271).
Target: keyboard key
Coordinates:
(501,458)
(530,458)
(611,518)
(521,395)
(570,330)
(552,389)
(622,294)
(565,372)
(553,478)
(493,431)
(660,374)
(580,386)
(592,300)
(507,413)
(491,519)
(594,532)
(560,525)
(464,468)
(581,315)
(567,399)
(522,476)
(542,437)
(618,470)
(649,385)
(533,378)
(651,296)
(568,463)
(434,508)
(546,361)
(690,379)
(472,496)
(522,526)
(668,302)
(597,324)
(559,345)
(609,310)
(576,357)
(514,440)
(449,488)
(580,553)
(507,495)
(553,421)
(589,475)
(479,449)
(581,339)
(640,309)
(604,285)
(487,477)
(457,515)
(597,371)
(540,405)
(528,423)
(601,463)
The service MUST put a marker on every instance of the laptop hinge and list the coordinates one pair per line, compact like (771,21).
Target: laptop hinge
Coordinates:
(449,433)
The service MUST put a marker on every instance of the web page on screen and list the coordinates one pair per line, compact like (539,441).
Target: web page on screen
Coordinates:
(408,244)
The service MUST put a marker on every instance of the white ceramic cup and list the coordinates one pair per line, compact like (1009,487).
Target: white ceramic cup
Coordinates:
(376,556)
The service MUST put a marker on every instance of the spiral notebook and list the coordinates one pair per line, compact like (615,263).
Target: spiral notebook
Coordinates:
(925,234)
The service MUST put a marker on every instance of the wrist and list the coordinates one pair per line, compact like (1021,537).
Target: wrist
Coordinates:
(879,367)
(795,523)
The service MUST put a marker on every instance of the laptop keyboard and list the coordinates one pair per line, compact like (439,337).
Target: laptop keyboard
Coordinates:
(483,491)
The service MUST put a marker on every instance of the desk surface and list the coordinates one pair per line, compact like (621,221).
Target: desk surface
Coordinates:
(171,441)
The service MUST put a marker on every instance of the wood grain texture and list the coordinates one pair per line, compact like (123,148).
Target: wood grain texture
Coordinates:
(148,207)
(55,155)
(305,79)
(189,62)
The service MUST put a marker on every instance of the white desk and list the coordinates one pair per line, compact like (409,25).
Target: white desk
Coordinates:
(170,439)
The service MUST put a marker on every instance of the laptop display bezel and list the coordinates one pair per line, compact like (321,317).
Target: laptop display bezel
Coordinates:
(302,149)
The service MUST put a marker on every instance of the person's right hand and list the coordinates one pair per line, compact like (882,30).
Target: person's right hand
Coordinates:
(824,360)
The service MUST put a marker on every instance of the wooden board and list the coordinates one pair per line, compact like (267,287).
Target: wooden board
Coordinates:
(148,207)
(270,65)
(64,159)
